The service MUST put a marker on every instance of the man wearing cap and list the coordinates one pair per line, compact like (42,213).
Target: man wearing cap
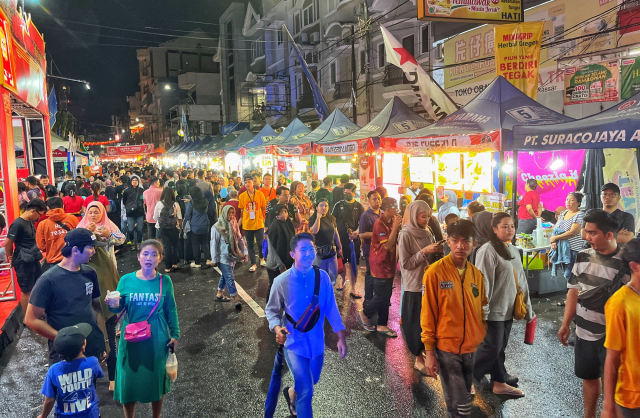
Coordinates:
(610,197)
(71,383)
(68,294)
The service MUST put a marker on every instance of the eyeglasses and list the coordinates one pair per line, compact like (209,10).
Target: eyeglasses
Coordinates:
(609,195)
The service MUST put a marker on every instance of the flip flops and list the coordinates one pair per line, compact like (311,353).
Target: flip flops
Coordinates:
(253,269)
(389,333)
(292,407)
(368,327)
(221,299)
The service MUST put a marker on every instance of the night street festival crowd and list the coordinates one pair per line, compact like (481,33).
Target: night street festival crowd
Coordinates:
(462,280)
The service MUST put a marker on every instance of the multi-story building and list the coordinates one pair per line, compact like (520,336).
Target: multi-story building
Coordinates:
(179,71)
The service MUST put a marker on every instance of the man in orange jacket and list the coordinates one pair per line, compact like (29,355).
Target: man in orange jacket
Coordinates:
(453,319)
(51,231)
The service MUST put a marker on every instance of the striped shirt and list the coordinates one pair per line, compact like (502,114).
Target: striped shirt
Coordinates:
(591,270)
(576,242)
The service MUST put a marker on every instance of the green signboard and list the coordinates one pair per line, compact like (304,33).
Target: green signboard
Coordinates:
(630,78)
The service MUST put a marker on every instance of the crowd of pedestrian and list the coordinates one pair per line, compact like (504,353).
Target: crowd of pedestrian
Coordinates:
(463,283)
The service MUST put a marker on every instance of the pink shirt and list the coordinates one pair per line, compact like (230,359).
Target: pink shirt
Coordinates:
(151,196)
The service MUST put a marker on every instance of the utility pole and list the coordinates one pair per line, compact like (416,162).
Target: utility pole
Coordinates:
(354,79)
(368,102)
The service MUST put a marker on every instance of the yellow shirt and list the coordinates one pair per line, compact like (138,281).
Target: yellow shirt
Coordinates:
(253,208)
(623,334)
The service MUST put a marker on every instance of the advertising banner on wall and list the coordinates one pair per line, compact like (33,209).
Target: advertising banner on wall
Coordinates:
(517,54)
(476,11)
(131,150)
(553,184)
(622,169)
(592,83)
(629,77)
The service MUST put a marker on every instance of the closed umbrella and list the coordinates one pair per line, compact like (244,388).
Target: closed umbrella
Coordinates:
(274,387)
(352,260)
(594,178)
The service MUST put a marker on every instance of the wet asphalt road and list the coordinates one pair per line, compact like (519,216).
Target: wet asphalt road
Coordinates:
(225,360)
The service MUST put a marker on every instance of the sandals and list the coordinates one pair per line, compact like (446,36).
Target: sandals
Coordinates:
(561,303)
(510,391)
(355,295)
(368,327)
(253,269)
(221,299)
(292,407)
(389,333)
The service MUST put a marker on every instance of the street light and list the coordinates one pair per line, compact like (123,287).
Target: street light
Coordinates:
(88,86)
(123,131)
(167,87)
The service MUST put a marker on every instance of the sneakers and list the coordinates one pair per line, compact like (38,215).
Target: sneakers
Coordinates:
(263,263)
(195,266)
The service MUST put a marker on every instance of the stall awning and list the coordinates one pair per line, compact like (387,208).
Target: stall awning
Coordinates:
(296,130)
(244,138)
(477,125)
(263,138)
(616,127)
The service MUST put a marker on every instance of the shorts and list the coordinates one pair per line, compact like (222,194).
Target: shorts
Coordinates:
(27,274)
(629,413)
(590,357)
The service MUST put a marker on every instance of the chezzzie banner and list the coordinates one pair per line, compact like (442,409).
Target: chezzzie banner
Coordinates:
(553,185)
(130,150)
(517,54)
(487,141)
(621,168)
(344,148)
(292,151)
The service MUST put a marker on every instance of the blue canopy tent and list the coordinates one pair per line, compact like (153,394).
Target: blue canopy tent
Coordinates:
(244,138)
(263,137)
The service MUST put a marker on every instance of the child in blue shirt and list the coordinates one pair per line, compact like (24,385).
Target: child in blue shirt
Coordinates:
(70,384)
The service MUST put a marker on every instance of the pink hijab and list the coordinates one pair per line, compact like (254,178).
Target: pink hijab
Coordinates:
(105,221)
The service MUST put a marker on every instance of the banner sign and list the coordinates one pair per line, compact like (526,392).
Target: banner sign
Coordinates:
(59,153)
(553,185)
(630,77)
(517,54)
(255,151)
(622,169)
(344,148)
(130,150)
(476,11)
(493,202)
(8,71)
(292,151)
(488,141)
(592,83)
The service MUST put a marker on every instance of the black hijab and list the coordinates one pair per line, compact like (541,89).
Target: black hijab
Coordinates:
(198,201)
(280,235)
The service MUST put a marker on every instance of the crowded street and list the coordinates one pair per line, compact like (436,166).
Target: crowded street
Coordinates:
(226,357)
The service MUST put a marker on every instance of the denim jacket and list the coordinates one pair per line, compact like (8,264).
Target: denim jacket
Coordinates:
(562,255)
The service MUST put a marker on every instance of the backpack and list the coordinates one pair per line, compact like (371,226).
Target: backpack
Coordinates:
(112,206)
(167,218)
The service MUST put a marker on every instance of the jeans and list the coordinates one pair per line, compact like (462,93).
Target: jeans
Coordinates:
(329,265)
(227,279)
(490,354)
(456,375)
(306,373)
(135,224)
(200,244)
(526,226)
(368,282)
(170,242)
(252,237)
(382,289)
(152,232)
(569,267)
(110,325)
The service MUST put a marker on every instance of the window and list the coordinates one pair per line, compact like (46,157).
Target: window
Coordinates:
(407,43)
(257,49)
(296,23)
(309,13)
(381,55)
(319,79)
(299,87)
(232,85)
(280,37)
(333,73)
(229,36)
(173,63)
(190,62)
(363,62)
(424,45)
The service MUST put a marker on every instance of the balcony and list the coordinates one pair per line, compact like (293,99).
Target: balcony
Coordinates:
(393,76)
(342,90)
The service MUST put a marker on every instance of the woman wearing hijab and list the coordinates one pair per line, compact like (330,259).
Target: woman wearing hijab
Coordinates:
(415,243)
(281,230)
(450,205)
(482,221)
(104,263)
(227,248)
(198,218)
(134,211)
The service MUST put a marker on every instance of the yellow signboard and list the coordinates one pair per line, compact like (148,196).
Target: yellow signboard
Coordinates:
(477,11)
(517,55)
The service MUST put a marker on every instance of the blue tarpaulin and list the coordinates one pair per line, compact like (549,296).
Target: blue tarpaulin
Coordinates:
(336,126)
(295,131)
(244,138)
(616,127)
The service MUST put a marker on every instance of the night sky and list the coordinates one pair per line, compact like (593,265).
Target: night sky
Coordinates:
(82,47)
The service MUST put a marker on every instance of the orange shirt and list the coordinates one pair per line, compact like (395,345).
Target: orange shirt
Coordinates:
(269,193)
(50,235)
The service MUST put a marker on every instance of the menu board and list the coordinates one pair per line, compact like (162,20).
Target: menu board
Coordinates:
(477,172)
(421,169)
(448,171)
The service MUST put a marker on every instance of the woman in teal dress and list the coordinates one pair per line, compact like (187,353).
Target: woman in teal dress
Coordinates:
(141,372)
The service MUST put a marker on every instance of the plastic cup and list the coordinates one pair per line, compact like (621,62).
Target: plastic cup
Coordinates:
(172,367)
(113,299)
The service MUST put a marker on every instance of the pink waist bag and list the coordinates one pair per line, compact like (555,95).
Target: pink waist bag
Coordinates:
(136,332)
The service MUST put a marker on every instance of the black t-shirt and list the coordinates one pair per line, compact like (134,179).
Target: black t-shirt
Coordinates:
(337,194)
(23,234)
(84,192)
(271,214)
(63,189)
(327,230)
(347,215)
(66,297)
(50,191)
(625,220)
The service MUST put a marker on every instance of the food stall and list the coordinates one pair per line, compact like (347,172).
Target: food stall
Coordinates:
(233,160)
(357,151)
(214,152)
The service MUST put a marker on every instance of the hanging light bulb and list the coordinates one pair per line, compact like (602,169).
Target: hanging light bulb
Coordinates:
(556,164)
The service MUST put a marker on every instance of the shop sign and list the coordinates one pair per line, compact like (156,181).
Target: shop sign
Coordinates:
(410,125)
(30,80)
(7,55)
(267,161)
(282,166)
(489,141)
(592,83)
(59,153)
(630,77)
(517,54)
(292,150)
(476,11)
(492,202)
(131,150)
(344,148)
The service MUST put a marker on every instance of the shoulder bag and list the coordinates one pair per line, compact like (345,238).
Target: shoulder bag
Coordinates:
(310,316)
(136,332)
(519,307)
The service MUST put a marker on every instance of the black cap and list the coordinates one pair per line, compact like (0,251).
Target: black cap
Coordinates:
(81,237)
(247,177)
(70,340)
(611,186)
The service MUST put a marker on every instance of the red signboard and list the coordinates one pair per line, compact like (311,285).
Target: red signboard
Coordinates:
(480,142)
(292,151)
(30,79)
(129,151)
(345,148)
(59,153)
(8,79)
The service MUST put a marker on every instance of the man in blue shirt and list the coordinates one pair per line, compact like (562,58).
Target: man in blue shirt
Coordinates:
(291,295)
